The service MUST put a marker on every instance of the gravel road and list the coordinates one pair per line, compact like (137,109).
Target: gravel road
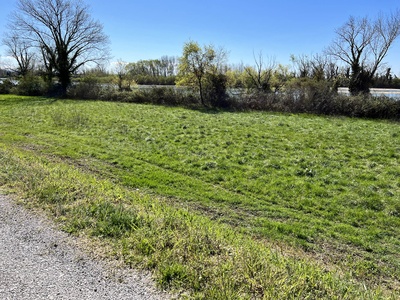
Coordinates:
(37,261)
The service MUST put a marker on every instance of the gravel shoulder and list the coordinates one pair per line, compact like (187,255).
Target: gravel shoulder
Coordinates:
(37,261)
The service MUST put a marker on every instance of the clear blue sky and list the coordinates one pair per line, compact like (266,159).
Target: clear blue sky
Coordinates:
(153,28)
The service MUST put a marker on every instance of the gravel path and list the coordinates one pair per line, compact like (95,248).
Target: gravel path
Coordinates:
(39,262)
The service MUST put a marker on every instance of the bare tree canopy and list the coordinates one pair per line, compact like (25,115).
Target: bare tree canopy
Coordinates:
(261,74)
(21,51)
(363,44)
(63,32)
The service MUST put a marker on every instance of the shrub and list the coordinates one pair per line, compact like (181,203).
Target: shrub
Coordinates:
(309,95)
(305,95)
(30,85)
(6,86)
(215,91)
(54,90)
(154,95)
(366,106)
(88,88)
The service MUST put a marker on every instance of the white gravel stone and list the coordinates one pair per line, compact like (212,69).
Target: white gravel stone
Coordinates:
(37,261)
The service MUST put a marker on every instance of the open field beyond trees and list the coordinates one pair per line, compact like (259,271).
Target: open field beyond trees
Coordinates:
(219,205)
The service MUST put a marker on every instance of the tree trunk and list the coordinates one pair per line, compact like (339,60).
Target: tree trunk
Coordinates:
(65,81)
(201,92)
(360,81)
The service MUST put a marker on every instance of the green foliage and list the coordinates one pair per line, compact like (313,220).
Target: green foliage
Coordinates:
(88,87)
(259,80)
(154,72)
(30,85)
(163,67)
(6,86)
(310,95)
(215,90)
(201,68)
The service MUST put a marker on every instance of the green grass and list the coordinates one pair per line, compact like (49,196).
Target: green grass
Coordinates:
(223,205)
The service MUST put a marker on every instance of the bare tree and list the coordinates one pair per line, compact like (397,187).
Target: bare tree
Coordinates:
(302,65)
(261,74)
(317,66)
(63,32)
(362,44)
(168,65)
(21,51)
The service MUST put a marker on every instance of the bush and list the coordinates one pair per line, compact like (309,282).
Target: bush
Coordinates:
(6,86)
(153,95)
(30,85)
(215,91)
(366,106)
(309,95)
(88,88)
(317,97)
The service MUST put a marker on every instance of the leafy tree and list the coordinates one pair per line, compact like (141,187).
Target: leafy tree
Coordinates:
(202,68)
(124,79)
(63,32)
(362,44)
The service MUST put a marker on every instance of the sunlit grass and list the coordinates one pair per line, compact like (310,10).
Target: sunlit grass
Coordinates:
(327,187)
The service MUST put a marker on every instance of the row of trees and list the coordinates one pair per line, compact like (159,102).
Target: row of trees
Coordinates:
(58,38)
(163,67)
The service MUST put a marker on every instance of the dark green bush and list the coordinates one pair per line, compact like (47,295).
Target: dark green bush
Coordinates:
(6,86)
(215,91)
(30,85)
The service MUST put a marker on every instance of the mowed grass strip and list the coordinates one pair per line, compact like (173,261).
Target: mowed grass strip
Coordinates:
(326,186)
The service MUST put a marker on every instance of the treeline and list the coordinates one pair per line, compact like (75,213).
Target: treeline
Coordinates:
(310,85)
(204,78)
(161,71)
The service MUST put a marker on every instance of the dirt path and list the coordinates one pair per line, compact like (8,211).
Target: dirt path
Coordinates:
(39,262)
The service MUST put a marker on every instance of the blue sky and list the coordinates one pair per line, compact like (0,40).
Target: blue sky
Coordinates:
(152,28)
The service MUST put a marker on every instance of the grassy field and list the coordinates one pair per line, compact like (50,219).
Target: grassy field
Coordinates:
(218,204)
